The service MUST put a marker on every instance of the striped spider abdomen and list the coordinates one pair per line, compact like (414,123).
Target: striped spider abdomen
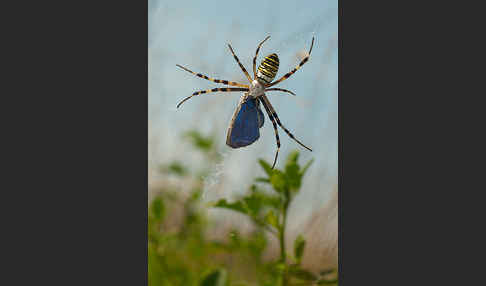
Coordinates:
(268,68)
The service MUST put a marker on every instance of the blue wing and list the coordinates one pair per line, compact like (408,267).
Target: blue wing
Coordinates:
(246,121)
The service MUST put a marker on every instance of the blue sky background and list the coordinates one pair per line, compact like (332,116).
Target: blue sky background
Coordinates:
(195,34)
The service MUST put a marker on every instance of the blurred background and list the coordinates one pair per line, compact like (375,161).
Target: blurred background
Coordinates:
(195,34)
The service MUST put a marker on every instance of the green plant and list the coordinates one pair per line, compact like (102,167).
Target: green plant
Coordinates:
(269,211)
(180,254)
(178,251)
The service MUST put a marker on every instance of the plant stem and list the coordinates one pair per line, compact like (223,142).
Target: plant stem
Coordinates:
(283,256)
(282,233)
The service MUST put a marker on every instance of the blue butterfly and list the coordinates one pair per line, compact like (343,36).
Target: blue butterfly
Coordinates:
(245,124)
(248,118)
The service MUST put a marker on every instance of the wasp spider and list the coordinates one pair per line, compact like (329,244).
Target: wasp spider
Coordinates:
(248,118)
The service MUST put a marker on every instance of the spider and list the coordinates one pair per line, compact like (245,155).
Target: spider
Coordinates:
(248,118)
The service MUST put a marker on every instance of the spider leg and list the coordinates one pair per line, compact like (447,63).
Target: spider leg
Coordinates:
(226,82)
(256,55)
(227,89)
(269,113)
(287,75)
(265,101)
(280,89)
(240,64)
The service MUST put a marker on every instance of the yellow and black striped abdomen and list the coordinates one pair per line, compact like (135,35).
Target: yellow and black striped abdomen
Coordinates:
(268,68)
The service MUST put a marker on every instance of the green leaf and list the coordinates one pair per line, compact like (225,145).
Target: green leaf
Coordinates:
(262,180)
(215,278)
(326,272)
(324,281)
(254,204)
(274,201)
(268,169)
(255,189)
(236,206)
(306,167)
(268,200)
(292,158)
(272,219)
(278,181)
(199,141)
(299,245)
(293,176)
(176,168)
(157,208)
(302,274)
